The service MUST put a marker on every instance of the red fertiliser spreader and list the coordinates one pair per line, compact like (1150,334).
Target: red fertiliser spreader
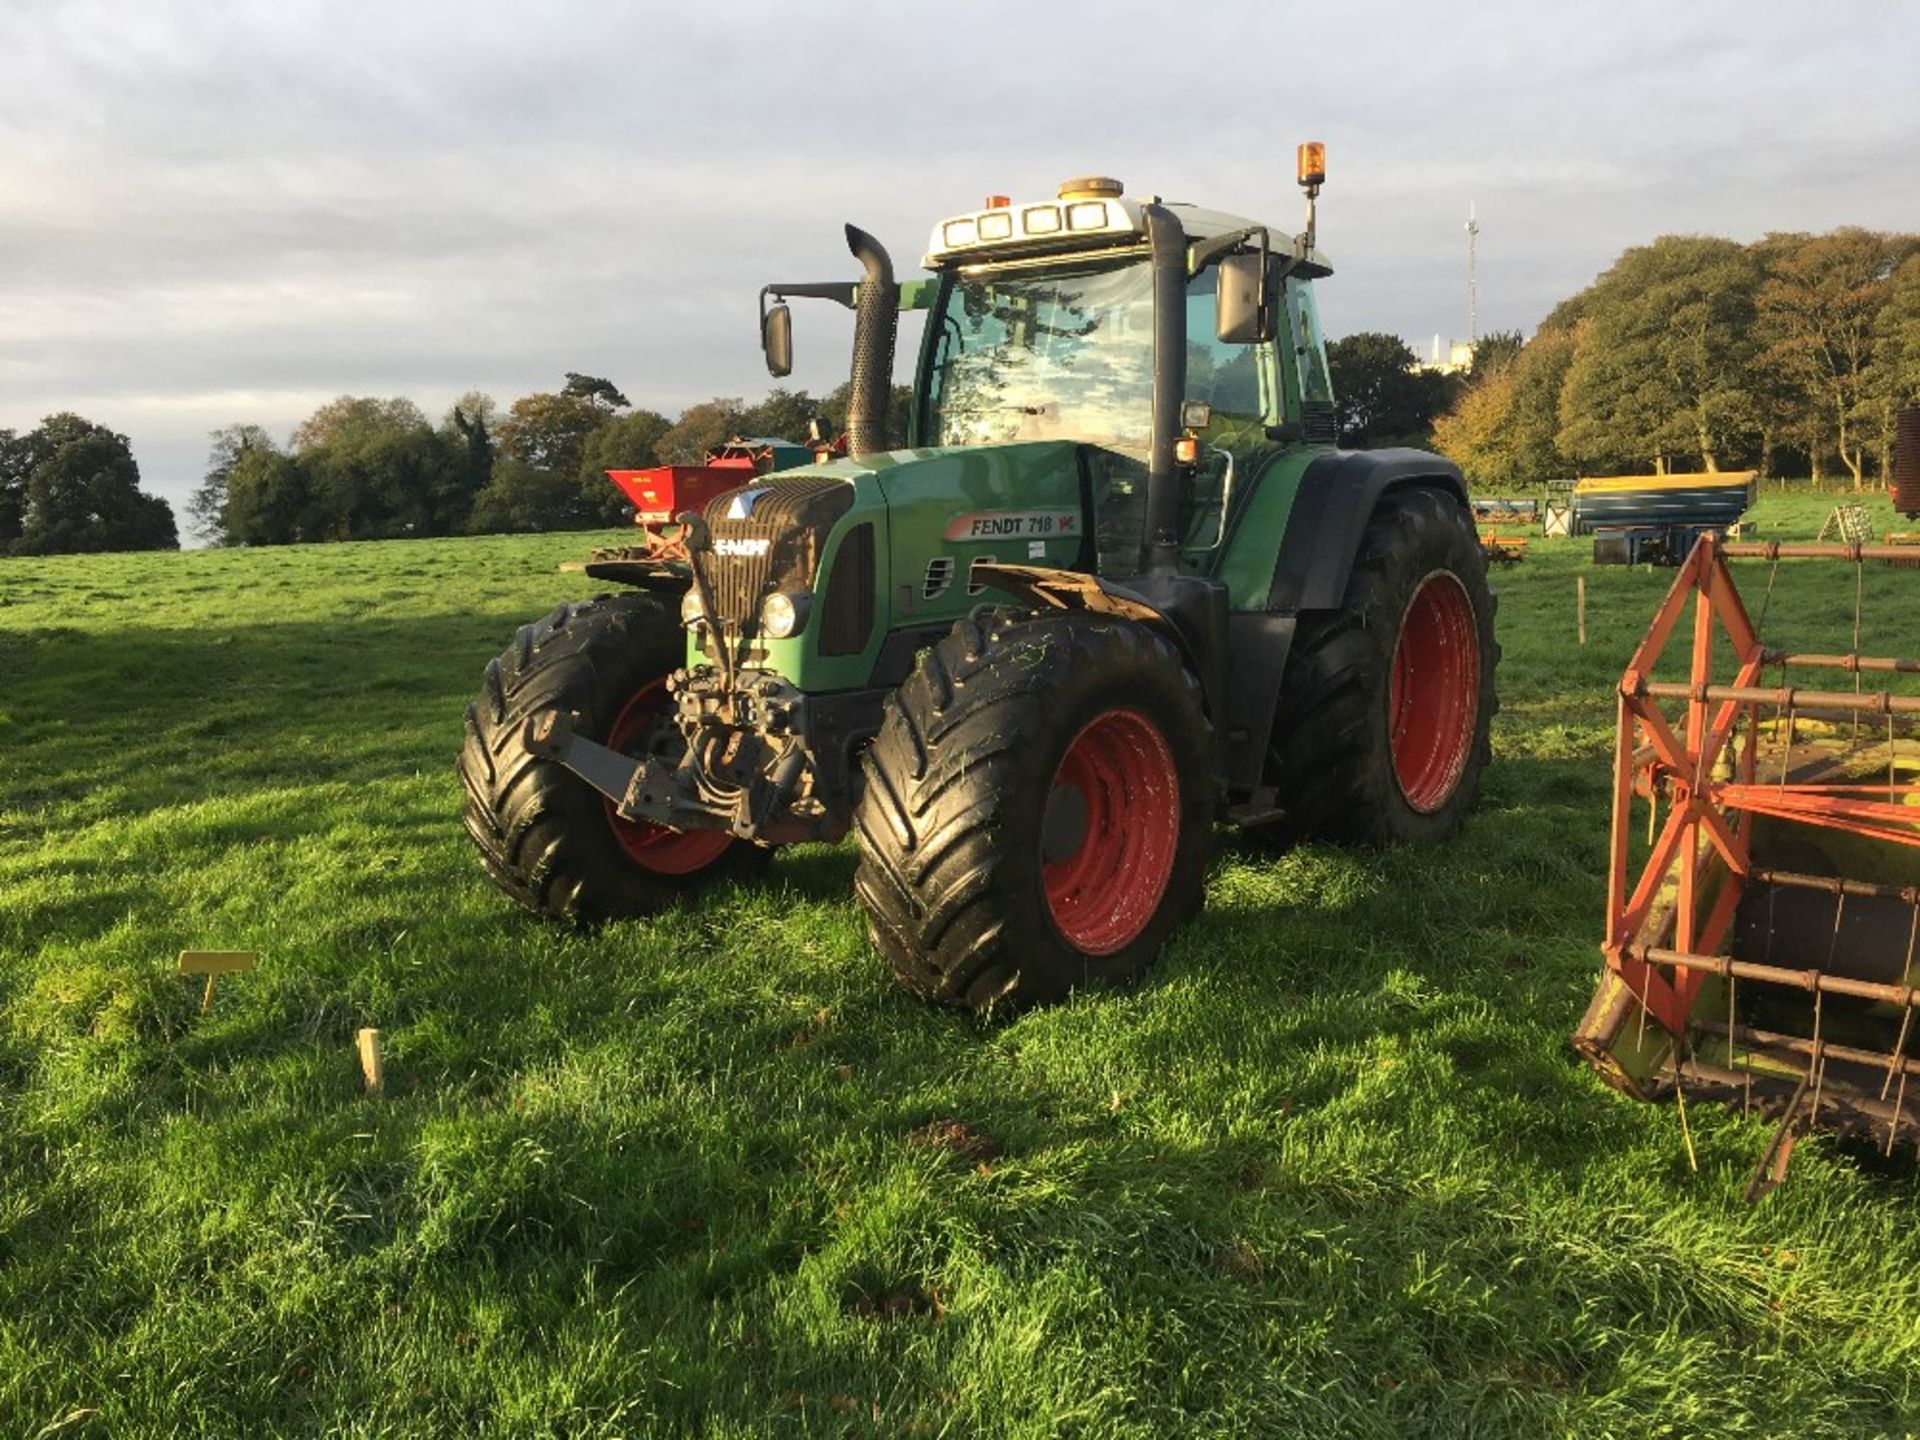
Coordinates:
(662,493)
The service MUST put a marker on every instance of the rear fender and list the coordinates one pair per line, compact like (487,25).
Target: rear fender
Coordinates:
(1337,497)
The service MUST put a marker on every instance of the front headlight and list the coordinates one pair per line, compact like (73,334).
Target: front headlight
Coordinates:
(782,615)
(692,612)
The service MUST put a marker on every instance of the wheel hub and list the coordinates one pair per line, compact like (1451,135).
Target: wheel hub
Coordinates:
(1110,832)
(1065,828)
(1433,698)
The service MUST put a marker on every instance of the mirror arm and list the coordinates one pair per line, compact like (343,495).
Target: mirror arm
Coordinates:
(841,292)
(1205,252)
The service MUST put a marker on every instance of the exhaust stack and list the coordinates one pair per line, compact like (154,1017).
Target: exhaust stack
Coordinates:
(876,321)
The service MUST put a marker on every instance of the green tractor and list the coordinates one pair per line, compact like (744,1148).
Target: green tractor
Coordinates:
(1118,589)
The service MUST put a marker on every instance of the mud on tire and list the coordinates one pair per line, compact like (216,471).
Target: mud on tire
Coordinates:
(545,836)
(1334,759)
(1037,810)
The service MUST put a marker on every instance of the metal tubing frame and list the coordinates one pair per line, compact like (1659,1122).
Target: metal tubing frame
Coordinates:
(1710,818)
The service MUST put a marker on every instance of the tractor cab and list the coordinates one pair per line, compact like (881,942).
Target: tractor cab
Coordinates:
(1046,324)
(1159,338)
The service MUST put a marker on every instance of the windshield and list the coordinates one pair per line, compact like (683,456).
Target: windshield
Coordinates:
(1067,354)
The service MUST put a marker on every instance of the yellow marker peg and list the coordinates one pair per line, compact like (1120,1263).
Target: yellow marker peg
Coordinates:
(213,964)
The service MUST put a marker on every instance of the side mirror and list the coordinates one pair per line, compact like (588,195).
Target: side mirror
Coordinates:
(1239,301)
(776,339)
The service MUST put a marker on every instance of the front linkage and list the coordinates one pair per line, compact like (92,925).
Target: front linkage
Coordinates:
(743,769)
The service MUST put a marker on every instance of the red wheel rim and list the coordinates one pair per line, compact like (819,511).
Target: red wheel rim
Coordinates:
(1119,792)
(1433,694)
(657,848)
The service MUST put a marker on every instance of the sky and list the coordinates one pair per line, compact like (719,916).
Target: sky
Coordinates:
(222,213)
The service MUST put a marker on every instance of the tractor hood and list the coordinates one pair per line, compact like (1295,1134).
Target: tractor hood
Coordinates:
(887,541)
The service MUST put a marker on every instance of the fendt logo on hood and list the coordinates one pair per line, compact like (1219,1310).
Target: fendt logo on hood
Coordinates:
(750,549)
(741,506)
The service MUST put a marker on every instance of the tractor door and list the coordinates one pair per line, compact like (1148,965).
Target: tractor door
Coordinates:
(1243,386)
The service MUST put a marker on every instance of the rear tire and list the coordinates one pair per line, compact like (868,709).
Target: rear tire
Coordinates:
(545,836)
(1388,702)
(1037,813)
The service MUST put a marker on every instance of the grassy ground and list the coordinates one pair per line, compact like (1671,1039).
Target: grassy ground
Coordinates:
(1332,1170)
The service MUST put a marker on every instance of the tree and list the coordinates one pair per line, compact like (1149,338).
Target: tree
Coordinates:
(83,493)
(549,431)
(522,498)
(270,500)
(1666,355)
(1893,379)
(386,486)
(700,428)
(1382,395)
(1817,310)
(208,504)
(592,387)
(1494,352)
(1501,429)
(783,415)
(1533,421)
(626,442)
(1896,356)
(360,470)
(14,467)
(472,420)
(356,419)
(1477,432)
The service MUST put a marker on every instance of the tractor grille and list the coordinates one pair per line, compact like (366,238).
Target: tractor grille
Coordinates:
(768,537)
(846,614)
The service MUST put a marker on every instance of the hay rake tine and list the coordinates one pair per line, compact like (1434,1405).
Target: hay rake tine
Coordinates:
(1859,575)
(1766,600)
(1680,1100)
(1906,1020)
(1819,1065)
(1733,1047)
(1772,1168)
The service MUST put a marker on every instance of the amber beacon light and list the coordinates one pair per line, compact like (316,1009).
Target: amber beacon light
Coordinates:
(1313,164)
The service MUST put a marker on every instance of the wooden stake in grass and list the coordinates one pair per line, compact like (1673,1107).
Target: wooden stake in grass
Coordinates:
(213,964)
(371,1070)
(1580,604)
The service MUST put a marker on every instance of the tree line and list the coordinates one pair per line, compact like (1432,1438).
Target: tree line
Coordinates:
(1792,354)
(361,468)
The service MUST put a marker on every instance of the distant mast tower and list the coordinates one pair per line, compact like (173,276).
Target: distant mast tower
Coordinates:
(1473,291)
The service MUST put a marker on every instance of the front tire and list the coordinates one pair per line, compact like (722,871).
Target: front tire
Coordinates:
(1037,813)
(546,837)
(1387,704)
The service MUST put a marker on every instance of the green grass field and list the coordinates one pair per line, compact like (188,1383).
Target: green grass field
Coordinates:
(1331,1171)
